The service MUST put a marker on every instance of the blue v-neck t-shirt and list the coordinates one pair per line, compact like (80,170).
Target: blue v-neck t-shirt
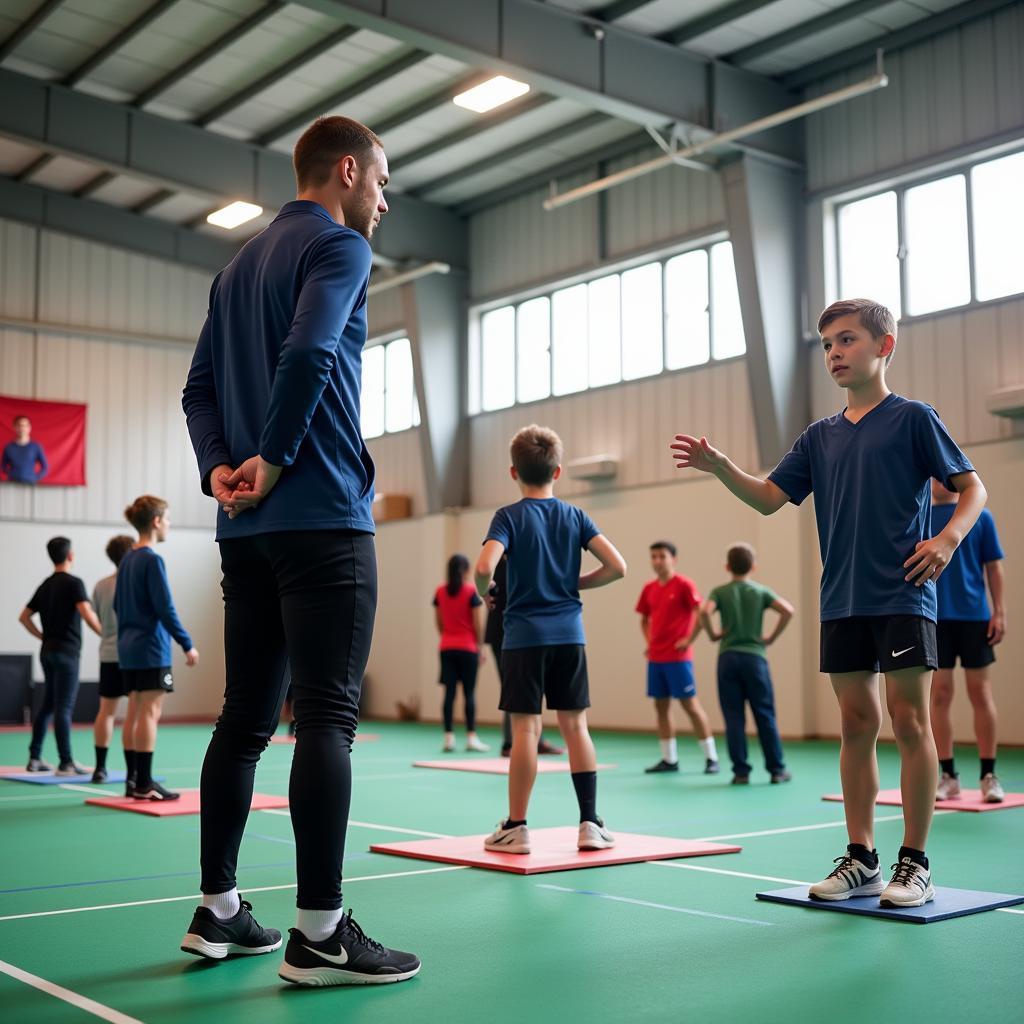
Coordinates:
(872,500)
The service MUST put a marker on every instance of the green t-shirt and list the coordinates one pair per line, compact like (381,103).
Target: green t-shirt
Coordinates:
(741,605)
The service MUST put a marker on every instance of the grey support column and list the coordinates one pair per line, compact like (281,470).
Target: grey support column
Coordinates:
(764,211)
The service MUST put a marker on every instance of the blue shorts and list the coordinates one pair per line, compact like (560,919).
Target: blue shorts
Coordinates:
(671,679)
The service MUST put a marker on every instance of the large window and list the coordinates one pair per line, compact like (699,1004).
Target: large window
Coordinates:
(940,244)
(388,395)
(663,315)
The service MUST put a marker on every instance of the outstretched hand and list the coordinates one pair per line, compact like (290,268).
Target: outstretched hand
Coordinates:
(696,453)
(249,485)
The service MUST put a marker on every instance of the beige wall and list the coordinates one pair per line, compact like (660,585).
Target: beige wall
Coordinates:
(702,518)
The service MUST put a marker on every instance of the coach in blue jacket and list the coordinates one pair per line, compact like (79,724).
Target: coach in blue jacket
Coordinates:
(272,403)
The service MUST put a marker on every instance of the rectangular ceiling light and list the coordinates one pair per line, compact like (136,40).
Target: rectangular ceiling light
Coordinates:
(490,94)
(234,214)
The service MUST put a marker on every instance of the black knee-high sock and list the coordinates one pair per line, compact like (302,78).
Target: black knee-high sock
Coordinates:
(143,768)
(129,763)
(585,784)
(948,765)
(101,758)
(988,765)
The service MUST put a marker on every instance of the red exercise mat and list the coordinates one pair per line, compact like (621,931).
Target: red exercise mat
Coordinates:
(187,804)
(969,800)
(498,765)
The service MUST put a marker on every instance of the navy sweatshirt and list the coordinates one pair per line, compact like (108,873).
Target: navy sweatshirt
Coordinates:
(277,372)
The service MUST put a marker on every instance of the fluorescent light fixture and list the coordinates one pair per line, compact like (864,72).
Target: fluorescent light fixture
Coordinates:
(490,94)
(234,214)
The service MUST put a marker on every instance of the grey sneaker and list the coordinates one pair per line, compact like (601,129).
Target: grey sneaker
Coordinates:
(508,840)
(911,886)
(37,764)
(992,789)
(594,836)
(948,787)
(71,768)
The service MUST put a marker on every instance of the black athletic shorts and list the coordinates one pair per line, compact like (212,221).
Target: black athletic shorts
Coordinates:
(149,679)
(459,667)
(967,641)
(878,643)
(112,683)
(557,674)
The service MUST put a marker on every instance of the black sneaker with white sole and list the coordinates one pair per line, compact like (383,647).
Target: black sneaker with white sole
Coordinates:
(152,791)
(711,767)
(348,957)
(241,935)
(99,775)
(662,766)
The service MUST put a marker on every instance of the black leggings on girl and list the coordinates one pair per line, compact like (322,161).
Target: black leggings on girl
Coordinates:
(456,667)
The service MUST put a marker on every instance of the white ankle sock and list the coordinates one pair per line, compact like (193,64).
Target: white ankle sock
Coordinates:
(709,748)
(318,925)
(669,750)
(224,904)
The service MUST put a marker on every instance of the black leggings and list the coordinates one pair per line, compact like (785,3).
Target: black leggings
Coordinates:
(308,599)
(456,667)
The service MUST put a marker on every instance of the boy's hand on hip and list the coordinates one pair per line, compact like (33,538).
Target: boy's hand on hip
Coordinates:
(928,561)
(695,453)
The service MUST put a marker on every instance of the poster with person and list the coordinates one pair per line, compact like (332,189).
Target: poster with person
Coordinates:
(42,443)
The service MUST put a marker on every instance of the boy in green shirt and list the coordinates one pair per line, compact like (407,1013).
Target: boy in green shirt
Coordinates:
(743,675)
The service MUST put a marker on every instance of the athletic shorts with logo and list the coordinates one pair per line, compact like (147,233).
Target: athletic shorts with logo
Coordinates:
(968,641)
(149,679)
(878,643)
(671,679)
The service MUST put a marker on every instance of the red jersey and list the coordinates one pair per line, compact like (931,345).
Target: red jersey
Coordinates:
(670,609)
(458,632)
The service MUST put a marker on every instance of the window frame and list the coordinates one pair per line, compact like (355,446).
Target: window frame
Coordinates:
(900,186)
(382,341)
(474,390)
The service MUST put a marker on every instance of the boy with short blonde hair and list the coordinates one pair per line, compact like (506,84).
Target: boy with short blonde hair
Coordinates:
(869,468)
(543,655)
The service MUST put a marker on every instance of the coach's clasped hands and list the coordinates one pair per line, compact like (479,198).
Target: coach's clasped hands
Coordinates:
(237,490)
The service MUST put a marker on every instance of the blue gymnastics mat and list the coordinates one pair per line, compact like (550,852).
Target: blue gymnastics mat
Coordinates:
(49,779)
(948,903)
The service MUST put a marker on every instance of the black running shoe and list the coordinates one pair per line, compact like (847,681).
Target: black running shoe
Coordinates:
(662,766)
(711,767)
(129,787)
(740,780)
(348,957)
(153,791)
(240,935)
(99,775)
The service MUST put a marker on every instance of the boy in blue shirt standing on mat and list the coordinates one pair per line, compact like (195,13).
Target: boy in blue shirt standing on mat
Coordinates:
(869,468)
(968,630)
(542,655)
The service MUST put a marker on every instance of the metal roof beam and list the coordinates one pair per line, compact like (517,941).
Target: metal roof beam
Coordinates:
(28,26)
(700,26)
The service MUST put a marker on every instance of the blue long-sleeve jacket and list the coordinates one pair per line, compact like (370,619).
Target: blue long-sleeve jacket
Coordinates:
(277,371)
(24,463)
(146,617)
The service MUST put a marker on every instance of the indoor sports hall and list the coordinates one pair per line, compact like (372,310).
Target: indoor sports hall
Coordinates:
(507,510)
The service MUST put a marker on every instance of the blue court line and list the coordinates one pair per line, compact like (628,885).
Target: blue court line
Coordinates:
(136,878)
(655,906)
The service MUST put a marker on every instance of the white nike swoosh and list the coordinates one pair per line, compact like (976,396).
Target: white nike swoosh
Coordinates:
(896,654)
(340,958)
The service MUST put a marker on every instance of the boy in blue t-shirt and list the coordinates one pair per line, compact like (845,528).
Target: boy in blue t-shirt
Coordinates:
(542,652)
(869,468)
(967,630)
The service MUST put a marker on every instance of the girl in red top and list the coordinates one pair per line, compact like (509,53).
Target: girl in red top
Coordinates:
(460,623)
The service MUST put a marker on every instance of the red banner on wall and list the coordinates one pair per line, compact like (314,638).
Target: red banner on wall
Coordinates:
(54,455)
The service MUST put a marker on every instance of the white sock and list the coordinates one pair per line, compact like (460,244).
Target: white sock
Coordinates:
(318,925)
(669,750)
(709,748)
(224,904)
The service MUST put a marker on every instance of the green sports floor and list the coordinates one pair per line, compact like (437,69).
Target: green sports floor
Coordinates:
(96,901)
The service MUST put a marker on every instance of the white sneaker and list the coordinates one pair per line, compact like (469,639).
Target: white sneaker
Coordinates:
(508,840)
(594,836)
(992,789)
(850,877)
(911,886)
(475,743)
(948,787)
(449,742)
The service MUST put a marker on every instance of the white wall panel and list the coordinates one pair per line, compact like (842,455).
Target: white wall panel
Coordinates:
(400,467)
(384,312)
(634,422)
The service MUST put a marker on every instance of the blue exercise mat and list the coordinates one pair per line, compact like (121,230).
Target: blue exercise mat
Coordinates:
(49,779)
(948,903)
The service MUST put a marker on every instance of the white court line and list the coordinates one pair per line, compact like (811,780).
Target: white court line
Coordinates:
(380,828)
(65,994)
(90,789)
(802,828)
(245,892)
(655,906)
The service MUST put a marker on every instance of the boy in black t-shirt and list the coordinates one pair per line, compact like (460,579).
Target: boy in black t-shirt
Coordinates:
(61,602)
